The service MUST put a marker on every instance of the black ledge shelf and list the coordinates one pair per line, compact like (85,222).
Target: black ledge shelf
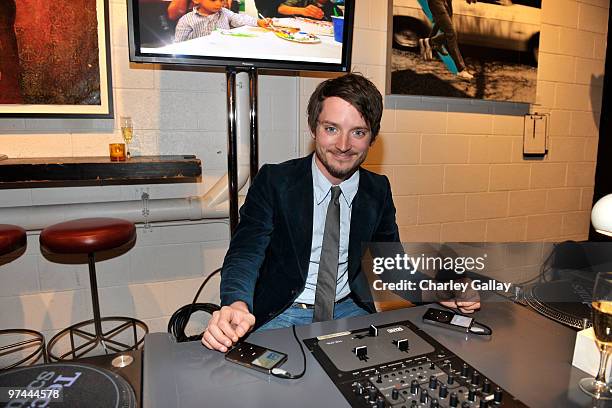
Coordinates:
(97,171)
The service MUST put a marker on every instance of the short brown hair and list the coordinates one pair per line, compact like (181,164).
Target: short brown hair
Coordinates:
(355,89)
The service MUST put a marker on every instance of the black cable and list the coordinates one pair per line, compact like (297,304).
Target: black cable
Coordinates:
(179,320)
(280,373)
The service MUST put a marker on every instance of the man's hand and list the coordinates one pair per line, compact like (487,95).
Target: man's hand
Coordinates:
(467,302)
(227,326)
(466,307)
(312,11)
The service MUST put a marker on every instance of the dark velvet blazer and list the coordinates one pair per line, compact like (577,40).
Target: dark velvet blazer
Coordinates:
(267,262)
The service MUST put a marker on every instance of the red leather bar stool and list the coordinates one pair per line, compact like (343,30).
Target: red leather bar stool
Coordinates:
(90,236)
(18,346)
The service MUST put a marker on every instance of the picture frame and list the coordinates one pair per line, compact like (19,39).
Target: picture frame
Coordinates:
(483,50)
(60,68)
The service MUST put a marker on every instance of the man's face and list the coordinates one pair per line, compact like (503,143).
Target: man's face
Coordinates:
(342,139)
(209,6)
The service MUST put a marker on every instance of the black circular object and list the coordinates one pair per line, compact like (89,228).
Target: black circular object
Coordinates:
(565,301)
(82,385)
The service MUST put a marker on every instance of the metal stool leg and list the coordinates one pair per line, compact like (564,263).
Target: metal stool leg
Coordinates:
(107,339)
(95,303)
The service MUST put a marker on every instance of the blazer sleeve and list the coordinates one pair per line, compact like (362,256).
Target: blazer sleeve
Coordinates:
(388,234)
(248,246)
(387,230)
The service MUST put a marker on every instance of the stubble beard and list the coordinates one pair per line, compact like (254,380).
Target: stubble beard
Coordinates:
(339,173)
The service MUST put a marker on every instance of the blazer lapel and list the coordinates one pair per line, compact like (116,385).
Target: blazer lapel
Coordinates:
(363,217)
(299,215)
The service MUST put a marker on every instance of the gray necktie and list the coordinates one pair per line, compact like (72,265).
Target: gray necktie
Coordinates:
(325,295)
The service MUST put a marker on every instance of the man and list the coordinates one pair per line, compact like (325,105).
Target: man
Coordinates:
(295,255)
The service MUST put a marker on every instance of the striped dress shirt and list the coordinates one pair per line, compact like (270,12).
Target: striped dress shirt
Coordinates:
(193,25)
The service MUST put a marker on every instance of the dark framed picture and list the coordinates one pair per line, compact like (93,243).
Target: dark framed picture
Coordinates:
(478,49)
(55,59)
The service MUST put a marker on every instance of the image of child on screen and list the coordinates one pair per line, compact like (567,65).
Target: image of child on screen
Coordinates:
(178,8)
(207,16)
(316,9)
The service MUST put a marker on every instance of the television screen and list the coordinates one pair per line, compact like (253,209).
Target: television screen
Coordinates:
(274,34)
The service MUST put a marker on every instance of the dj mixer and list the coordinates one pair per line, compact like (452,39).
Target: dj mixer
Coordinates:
(398,365)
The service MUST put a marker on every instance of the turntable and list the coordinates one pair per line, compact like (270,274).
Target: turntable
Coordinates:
(104,381)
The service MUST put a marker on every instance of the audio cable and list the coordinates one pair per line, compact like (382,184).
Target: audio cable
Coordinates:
(280,373)
(179,320)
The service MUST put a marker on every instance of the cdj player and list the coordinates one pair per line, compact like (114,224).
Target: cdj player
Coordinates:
(398,365)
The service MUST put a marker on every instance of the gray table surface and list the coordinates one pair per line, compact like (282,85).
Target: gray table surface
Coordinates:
(529,355)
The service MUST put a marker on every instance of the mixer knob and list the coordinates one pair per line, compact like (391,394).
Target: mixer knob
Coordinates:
(380,402)
(486,385)
(472,394)
(394,393)
(372,393)
(424,396)
(434,403)
(373,331)
(454,400)
(359,389)
(483,403)
(443,391)
(497,395)
(414,387)
(432,366)
(465,370)
(379,378)
(433,382)
(475,377)
(451,379)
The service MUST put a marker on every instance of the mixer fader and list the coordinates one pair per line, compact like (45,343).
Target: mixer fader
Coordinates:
(400,366)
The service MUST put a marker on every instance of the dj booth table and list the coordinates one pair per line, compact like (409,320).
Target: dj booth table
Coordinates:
(528,355)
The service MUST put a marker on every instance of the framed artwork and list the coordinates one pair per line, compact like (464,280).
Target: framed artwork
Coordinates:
(54,59)
(479,49)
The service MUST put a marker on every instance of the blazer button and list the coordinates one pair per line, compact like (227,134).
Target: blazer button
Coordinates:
(294,292)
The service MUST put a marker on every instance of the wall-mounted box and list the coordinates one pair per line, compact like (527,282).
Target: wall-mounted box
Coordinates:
(535,135)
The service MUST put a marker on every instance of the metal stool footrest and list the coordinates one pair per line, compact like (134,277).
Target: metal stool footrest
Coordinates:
(30,339)
(83,339)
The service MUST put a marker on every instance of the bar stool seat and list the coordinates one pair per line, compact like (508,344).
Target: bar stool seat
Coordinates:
(29,343)
(90,236)
(87,235)
(12,238)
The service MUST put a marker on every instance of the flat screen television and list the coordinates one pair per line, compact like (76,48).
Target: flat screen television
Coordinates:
(295,42)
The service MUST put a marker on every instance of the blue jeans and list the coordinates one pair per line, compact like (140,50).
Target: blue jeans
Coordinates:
(298,316)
